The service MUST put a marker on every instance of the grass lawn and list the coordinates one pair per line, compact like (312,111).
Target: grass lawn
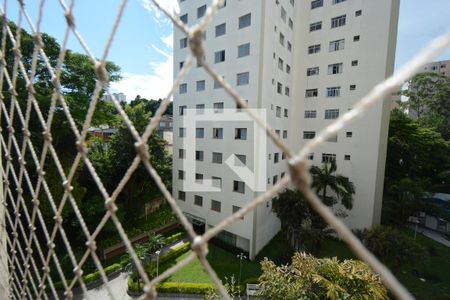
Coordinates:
(223,262)
(435,268)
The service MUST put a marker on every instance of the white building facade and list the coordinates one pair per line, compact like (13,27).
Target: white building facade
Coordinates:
(304,62)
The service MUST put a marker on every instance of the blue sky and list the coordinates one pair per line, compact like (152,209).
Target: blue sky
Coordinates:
(143,44)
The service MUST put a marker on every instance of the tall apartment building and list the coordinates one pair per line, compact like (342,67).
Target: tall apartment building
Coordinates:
(441,67)
(306,63)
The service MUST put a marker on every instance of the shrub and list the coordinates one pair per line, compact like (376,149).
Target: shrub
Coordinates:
(177,236)
(159,218)
(91,277)
(135,286)
(175,253)
(184,288)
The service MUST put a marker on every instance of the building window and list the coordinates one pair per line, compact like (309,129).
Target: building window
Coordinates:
(310,93)
(311,156)
(354,63)
(219,56)
(352,87)
(279,88)
(182,110)
(285,112)
(331,114)
(200,85)
(198,200)
(347,157)
(334,91)
(239,187)
(288,69)
(312,71)
(337,45)
(284,134)
(236,209)
(183,88)
(310,114)
(335,68)
(289,46)
(358,13)
(327,157)
(183,43)
(291,23)
(181,153)
(275,179)
(240,134)
(216,158)
(278,112)
(240,160)
(218,107)
(199,177)
(215,205)
(201,11)
(181,64)
(349,134)
(243,78)
(276,158)
(337,2)
(199,155)
(314,49)
(333,138)
(217,133)
(216,182)
(277,132)
(184,18)
(182,132)
(316,4)
(200,109)
(356,38)
(217,85)
(281,39)
(181,195)
(338,21)
(244,50)
(309,135)
(199,133)
(239,107)
(181,174)
(315,26)
(286,91)
(245,21)
(221,29)
(280,64)
(283,14)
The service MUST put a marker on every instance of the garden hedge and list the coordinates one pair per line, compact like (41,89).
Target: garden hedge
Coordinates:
(184,288)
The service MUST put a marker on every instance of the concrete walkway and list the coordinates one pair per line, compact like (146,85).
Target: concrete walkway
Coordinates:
(119,285)
(432,235)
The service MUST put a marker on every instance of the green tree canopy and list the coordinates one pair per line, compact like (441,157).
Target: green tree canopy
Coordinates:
(308,277)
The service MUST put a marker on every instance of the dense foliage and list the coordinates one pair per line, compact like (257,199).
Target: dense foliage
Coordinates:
(308,277)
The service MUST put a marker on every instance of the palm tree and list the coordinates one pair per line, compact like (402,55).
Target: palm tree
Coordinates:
(325,179)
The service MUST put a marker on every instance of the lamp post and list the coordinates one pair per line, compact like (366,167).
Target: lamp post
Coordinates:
(157,262)
(241,256)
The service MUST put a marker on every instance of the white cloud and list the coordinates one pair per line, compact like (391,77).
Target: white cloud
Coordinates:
(159,17)
(150,86)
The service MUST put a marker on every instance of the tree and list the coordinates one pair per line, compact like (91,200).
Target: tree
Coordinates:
(392,247)
(300,223)
(429,101)
(308,277)
(113,158)
(325,179)
(412,168)
(151,105)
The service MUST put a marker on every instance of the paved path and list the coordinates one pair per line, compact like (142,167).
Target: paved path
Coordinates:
(432,235)
(119,285)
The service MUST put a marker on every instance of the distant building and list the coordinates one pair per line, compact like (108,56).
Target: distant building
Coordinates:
(119,96)
(165,130)
(104,133)
(441,67)
(438,67)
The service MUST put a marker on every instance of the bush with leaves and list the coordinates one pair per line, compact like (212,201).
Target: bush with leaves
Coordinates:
(392,246)
(308,277)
